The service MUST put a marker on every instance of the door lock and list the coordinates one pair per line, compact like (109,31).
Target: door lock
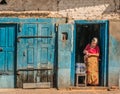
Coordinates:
(1,49)
(24,53)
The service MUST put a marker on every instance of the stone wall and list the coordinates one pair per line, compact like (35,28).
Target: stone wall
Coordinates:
(73,9)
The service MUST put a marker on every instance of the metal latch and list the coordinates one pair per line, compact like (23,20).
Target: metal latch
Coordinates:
(4,73)
(1,49)
(18,38)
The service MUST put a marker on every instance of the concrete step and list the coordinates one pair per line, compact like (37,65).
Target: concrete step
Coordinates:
(88,88)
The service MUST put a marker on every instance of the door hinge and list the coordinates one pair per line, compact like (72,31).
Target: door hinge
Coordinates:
(20,27)
(56,27)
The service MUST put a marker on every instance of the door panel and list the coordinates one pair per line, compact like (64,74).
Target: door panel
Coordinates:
(2,61)
(30,55)
(2,36)
(7,44)
(10,57)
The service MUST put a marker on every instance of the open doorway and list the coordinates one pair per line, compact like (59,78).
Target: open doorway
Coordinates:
(84,35)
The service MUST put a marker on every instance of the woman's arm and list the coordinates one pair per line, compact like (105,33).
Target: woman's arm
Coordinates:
(86,49)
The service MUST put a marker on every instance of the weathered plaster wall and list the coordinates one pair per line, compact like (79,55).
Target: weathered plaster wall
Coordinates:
(73,9)
(114,53)
(29,5)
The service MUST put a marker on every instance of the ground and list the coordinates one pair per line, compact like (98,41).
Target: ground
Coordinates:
(54,91)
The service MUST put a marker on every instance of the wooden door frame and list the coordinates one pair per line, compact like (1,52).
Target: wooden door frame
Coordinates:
(106,56)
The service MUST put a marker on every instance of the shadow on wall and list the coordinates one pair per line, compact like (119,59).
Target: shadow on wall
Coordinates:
(103,6)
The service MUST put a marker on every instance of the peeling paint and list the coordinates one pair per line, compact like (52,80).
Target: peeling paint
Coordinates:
(114,53)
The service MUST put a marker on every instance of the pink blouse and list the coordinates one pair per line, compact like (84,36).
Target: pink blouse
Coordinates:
(90,50)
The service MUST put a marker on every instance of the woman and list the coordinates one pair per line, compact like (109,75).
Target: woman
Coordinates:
(92,52)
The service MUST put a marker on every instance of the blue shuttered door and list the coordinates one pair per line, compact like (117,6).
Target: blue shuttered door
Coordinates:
(46,45)
(27,47)
(36,46)
(26,54)
(35,50)
(7,46)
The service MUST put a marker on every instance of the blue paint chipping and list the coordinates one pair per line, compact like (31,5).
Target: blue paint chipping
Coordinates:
(114,60)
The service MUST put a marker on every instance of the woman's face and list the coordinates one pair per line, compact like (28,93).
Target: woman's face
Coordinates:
(93,44)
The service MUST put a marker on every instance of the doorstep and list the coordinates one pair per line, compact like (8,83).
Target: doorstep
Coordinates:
(44,85)
(88,88)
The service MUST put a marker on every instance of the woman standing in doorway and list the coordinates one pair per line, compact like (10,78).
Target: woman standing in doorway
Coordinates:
(91,58)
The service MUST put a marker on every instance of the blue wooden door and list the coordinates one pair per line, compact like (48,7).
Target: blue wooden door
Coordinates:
(7,55)
(26,54)
(36,49)
(36,45)
(65,48)
(46,45)
(27,47)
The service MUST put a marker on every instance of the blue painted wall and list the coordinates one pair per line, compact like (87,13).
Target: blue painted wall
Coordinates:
(114,53)
(65,47)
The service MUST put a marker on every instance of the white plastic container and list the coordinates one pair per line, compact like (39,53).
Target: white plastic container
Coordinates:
(80,68)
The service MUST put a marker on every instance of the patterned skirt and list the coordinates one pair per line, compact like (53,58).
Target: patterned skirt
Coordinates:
(92,70)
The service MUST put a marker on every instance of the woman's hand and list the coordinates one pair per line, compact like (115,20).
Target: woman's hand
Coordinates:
(85,52)
(88,54)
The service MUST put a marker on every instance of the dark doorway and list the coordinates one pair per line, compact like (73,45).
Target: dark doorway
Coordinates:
(84,35)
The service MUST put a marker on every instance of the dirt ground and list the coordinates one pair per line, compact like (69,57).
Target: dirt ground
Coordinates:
(54,91)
